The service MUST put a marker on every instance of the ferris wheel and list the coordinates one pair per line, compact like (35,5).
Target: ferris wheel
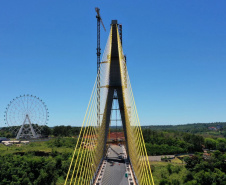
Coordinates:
(26,115)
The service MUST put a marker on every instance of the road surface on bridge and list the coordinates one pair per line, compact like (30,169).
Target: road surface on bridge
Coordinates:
(115,169)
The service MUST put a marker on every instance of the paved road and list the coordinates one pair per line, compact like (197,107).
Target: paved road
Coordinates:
(115,173)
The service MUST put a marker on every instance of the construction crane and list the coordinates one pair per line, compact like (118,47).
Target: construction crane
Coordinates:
(99,20)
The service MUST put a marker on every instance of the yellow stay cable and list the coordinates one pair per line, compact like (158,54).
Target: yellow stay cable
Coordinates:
(86,130)
(79,137)
(139,134)
(88,170)
(126,114)
(140,142)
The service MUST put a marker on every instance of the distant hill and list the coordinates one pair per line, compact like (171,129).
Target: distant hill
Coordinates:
(193,128)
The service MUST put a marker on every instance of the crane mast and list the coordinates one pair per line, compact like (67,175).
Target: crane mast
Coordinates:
(99,20)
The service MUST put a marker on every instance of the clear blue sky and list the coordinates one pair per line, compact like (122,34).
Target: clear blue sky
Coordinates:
(176,56)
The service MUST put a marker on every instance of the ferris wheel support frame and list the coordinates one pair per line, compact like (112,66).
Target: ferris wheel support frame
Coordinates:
(22,134)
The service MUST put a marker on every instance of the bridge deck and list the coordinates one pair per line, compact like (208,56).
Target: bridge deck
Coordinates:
(115,169)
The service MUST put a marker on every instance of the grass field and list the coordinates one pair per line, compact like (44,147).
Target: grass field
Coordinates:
(43,146)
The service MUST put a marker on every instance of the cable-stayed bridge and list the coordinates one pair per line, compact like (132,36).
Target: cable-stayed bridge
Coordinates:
(95,160)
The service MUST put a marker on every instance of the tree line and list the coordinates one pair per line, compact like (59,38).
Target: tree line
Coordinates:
(171,142)
(190,128)
(57,131)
